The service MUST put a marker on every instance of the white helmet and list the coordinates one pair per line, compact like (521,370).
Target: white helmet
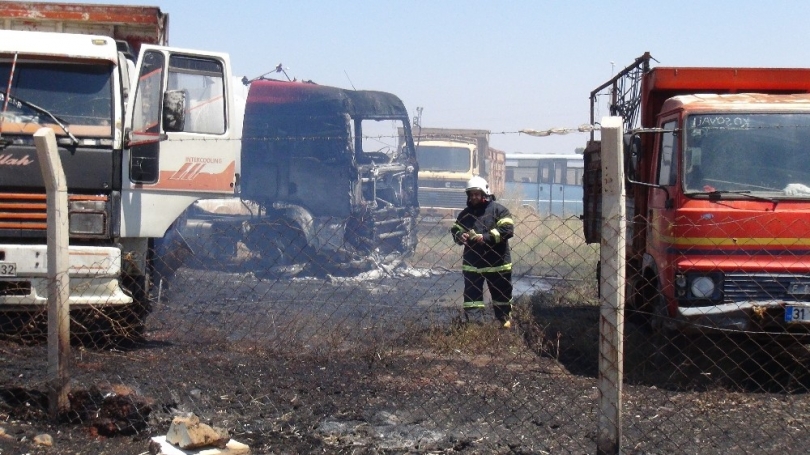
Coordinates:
(478,183)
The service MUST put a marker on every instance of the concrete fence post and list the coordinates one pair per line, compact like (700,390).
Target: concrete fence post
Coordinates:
(58,265)
(612,288)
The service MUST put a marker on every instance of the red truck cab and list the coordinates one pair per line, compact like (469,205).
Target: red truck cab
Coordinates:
(719,195)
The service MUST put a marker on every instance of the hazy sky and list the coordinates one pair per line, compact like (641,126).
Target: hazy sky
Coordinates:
(502,66)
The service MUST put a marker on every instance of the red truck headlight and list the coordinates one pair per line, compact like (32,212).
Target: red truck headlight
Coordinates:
(699,286)
(702,287)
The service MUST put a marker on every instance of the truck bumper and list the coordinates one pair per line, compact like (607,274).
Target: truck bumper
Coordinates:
(94,277)
(752,316)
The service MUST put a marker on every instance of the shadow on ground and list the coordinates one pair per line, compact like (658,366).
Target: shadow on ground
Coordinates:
(570,334)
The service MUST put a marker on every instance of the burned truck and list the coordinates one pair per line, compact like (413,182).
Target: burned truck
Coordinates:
(323,184)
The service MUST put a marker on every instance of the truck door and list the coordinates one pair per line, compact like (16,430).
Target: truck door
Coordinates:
(557,188)
(660,213)
(180,143)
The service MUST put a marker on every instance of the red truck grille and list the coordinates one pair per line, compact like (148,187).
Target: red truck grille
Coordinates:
(25,211)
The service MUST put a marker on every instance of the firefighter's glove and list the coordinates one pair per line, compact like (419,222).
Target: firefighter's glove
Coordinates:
(475,237)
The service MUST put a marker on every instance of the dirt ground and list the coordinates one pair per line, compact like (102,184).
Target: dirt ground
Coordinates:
(357,371)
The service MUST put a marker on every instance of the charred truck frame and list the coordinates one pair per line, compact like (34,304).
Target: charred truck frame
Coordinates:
(319,185)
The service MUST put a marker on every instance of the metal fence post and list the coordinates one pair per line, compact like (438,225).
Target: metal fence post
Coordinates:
(612,278)
(58,264)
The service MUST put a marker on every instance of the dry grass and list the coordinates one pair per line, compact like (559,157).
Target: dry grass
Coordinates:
(542,246)
(471,338)
(562,323)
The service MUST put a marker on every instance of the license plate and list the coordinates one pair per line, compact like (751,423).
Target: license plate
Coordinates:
(797,313)
(799,289)
(8,269)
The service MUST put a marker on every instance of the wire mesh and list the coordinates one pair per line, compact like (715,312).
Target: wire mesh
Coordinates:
(296,351)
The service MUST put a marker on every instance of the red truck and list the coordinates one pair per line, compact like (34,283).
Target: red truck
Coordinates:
(718,191)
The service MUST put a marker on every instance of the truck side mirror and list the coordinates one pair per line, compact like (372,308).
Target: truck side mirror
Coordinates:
(632,154)
(174,110)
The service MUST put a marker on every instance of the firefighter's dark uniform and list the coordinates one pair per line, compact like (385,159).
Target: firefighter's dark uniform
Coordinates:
(489,260)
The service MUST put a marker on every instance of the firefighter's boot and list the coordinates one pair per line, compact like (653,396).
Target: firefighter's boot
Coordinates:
(504,315)
(474,315)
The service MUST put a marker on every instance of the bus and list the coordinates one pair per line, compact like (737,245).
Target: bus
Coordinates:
(547,183)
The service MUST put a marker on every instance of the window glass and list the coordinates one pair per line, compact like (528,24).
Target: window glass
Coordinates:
(667,165)
(571,176)
(452,159)
(522,174)
(545,173)
(146,106)
(743,151)
(75,94)
(203,82)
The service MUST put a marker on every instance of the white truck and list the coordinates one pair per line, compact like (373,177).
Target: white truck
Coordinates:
(143,131)
(448,158)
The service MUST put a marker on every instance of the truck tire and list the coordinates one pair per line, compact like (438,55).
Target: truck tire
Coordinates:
(641,300)
(668,343)
(115,326)
(279,243)
(224,245)
(166,256)
(25,326)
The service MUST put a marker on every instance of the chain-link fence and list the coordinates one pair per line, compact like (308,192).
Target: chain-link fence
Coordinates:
(295,351)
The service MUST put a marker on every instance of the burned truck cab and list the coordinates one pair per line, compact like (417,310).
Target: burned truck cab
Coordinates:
(322,165)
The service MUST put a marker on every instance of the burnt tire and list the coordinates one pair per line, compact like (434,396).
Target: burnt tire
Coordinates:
(278,244)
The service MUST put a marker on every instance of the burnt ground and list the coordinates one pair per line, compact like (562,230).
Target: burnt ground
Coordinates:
(385,366)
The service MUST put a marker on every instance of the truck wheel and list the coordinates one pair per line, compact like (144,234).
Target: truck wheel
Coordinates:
(102,328)
(295,247)
(637,312)
(668,343)
(656,305)
(642,301)
(25,326)
(125,324)
(166,256)
(223,249)
(279,244)
(261,240)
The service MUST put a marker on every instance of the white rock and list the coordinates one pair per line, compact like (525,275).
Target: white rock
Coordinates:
(232,448)
(190,433)
(43,440)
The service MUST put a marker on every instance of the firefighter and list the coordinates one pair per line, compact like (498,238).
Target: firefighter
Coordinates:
(484,228)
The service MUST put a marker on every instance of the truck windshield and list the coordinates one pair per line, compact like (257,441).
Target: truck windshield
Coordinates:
(747,152)
(76,94)
(378,140)
(449,159)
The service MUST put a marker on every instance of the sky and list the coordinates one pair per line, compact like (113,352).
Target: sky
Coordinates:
(503,66)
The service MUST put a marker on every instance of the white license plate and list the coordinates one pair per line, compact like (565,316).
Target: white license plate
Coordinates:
(797,313)
(8,269)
